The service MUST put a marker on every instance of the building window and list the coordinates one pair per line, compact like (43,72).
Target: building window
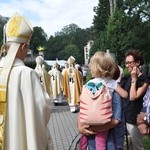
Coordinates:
(87,56)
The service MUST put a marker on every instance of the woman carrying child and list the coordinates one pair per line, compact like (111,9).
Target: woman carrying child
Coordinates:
(102,66)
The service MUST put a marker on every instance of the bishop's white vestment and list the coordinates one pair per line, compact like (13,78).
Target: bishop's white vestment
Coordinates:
(28,111)
(56,84)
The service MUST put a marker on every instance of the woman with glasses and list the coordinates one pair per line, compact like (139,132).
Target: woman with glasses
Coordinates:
(136,85)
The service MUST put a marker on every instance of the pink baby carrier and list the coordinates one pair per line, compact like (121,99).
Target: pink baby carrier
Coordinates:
(95,109)
(95,104)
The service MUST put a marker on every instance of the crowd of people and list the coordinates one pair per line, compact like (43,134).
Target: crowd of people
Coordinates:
(27,96)
(130,113)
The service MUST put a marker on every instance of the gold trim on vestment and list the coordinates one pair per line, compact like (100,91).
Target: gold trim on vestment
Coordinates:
(3,105)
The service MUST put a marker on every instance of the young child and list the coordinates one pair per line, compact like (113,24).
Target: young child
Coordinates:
(103,67)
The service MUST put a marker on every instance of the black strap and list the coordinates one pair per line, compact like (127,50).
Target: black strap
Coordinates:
(73,141)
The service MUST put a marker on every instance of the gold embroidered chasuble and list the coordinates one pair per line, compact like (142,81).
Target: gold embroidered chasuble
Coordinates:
(77,77)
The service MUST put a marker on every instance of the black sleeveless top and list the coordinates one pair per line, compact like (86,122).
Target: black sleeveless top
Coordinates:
(133,108)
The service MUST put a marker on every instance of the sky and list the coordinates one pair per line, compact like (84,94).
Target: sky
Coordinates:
(52,15)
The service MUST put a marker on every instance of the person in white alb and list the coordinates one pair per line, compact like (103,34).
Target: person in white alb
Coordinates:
(56,83)
(44,77)
(25,107)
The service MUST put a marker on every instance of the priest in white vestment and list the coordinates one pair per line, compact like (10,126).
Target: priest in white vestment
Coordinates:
(25,107)
(56,83)
(44,77)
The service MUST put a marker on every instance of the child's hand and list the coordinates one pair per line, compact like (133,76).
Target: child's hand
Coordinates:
(85,130)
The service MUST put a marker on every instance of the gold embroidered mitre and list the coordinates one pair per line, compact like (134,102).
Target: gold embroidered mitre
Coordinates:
(71,60)
(18,29)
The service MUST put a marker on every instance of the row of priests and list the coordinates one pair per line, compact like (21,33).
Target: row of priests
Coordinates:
(66,84)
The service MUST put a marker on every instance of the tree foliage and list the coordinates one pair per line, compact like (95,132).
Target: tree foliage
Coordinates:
(101,17)
(70,50)
(39,39)
(67,29)
(127,28)
(73,35)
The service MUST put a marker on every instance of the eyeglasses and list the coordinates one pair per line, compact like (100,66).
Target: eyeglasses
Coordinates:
(129,62)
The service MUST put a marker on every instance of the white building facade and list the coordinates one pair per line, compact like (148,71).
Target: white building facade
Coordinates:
(87,52)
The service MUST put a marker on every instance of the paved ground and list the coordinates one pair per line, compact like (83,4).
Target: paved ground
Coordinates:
(63,127)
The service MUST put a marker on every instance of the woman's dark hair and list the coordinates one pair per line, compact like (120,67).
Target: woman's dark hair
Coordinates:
(136,55)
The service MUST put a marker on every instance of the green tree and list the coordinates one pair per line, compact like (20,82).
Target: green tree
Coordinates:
(100,21)
(70,50)
(67,29)
(117,38)
(100,43)
(127,28)
(102,13)
(81,37)
(39,39)
(56,46)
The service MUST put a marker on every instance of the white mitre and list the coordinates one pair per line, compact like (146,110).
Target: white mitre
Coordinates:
(71,60)
(39,60)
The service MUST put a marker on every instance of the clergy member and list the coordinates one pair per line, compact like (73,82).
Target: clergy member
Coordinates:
(44,77)
(72,84)
(56,83)
(25,107)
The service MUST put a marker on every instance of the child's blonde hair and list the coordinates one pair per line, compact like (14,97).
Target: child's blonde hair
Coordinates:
(102,64)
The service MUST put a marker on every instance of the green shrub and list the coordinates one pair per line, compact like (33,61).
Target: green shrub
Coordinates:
(146,142)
